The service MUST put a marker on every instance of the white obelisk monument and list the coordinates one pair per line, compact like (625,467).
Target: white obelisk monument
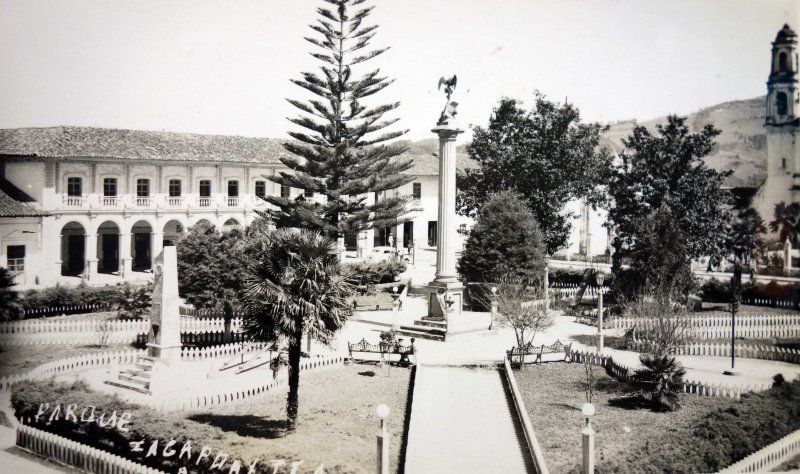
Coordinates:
(164,338)
(446,291)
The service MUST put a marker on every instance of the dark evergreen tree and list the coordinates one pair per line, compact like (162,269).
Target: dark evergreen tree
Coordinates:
(545,155)
(10,303)
(666,171)
(342,154)
(504,243)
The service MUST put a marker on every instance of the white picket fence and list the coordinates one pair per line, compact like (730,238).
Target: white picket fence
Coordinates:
(625,373)
(74,309)
(768,458)
(72,453)
(48,369)
(713,327)
(775,302)
(141,326)
(242,393)
(205,313)
(747,351)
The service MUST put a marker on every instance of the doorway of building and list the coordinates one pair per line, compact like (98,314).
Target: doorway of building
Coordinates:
(408,234)
(73,249)
(432,233)
(141,246)
(108,248)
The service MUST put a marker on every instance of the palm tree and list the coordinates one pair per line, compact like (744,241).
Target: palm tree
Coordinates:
(10,305)
(294,285)
(787,220)
(662,376)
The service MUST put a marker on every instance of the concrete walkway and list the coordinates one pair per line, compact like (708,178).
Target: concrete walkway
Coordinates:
(462,423)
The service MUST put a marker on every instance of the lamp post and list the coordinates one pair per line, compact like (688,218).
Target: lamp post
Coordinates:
(600,278)
(493,312)
(588,439)
(383,440)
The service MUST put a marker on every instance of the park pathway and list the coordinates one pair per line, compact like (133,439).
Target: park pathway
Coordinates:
(462,422)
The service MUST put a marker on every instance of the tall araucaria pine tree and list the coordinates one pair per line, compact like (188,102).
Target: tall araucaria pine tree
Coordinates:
(342,154)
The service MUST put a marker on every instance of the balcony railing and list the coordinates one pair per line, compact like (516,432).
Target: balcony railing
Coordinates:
(73,201)
(204,201)
(143,201)
(175,201)
(109,201)
(234,201)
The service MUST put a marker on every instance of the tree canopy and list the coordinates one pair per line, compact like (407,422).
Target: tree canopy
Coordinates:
(665,172)
(504,243)
(546,155)
(341,153)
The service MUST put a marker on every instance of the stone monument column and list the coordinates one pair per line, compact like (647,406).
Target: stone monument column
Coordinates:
(164,338)
(446,291)
(446,227)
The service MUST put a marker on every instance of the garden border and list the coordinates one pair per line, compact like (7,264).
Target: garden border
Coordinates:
(534,449)
(768,457)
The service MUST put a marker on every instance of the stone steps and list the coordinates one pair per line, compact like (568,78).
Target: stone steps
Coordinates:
(422,332)
(138,378)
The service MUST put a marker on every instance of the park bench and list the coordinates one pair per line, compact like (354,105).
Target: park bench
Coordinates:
(385,349)
(589,316)
(537,351)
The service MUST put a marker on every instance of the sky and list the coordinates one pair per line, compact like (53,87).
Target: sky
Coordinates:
(224,67)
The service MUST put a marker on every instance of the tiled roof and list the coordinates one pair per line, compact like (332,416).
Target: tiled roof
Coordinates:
(90,142)
(15,203)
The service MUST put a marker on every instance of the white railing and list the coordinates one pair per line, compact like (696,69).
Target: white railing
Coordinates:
(769,457)
(109,201)
(696,387)
(175,201)
(143,201)
(37,326)
(746,351)
(72,453)
(234,201)
(97,359)
(204,202)
(715,327)
(72,201)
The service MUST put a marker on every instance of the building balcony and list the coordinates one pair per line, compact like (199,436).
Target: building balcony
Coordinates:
(142,201)
(175,201)
(204,201)
(109,201)
(72,201)
(234,201)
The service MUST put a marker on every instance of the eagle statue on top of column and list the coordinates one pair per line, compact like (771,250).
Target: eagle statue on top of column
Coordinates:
(449,111)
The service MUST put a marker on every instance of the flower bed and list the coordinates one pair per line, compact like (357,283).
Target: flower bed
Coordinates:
(705,435)
(337,423)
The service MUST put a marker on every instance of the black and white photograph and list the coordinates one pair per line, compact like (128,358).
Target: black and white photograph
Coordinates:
(399,236)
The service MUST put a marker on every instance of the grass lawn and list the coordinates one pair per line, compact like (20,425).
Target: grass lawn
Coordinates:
(99,316)
(337,424)
(632,438)
(16,359)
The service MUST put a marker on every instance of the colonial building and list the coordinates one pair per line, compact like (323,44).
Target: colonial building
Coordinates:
(100,203)
(782,126)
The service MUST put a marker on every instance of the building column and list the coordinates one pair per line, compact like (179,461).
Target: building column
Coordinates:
(398,240)
(156,246)
(125,260)
(90,252)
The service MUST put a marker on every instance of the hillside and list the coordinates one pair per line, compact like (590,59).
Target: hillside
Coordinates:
(741,146)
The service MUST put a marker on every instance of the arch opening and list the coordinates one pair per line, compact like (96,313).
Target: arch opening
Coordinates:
(108,250)
(73,249)
(141,246)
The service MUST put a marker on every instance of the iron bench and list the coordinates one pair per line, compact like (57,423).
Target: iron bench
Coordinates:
(515,353)
(385,349)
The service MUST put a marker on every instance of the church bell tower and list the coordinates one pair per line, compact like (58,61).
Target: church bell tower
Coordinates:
(782,126)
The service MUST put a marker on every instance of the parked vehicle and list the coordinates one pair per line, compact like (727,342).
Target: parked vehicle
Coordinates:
(379,254)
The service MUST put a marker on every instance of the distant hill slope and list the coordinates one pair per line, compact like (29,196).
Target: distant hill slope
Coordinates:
(742,145)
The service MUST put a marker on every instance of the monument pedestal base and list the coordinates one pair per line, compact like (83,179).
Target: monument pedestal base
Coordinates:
(165,353)
(439,293)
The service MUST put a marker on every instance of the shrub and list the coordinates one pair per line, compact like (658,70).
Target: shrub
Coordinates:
(10,306)
(134,302)
(366,273)
(57,296)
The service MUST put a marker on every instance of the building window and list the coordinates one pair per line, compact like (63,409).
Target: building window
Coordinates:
(286,191)
(74,187)
(782,62)
(110,187)
(233,188)
(143,187)
(261,189)
(205,188)
(783,163)
(15,255)
(174,188)
(308,193)
(782,103)
(416,193)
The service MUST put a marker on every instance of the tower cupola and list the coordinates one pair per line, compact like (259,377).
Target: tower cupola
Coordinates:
(783,94)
